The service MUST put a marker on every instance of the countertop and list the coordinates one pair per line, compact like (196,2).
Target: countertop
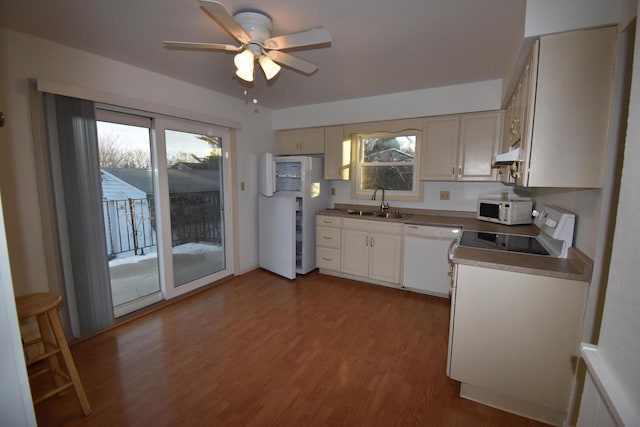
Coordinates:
(577,266)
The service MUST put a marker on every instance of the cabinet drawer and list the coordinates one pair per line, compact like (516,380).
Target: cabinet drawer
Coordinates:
(328,237)
(328,221)
(373,226)
(327,258)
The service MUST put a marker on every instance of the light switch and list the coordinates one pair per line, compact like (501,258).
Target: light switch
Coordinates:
(445,195)
(333,191)
(242,186)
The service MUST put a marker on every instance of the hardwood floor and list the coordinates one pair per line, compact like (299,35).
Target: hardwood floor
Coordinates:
(260,350)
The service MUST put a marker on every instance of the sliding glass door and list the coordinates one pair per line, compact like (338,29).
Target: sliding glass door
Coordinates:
(124,145)
(164,184)
(193,180)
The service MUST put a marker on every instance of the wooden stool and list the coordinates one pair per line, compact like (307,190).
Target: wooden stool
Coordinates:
(44,307)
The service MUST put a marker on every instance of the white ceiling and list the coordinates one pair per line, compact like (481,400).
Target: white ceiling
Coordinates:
(378,46)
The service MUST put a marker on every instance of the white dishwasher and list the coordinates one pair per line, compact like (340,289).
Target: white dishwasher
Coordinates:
(426,258)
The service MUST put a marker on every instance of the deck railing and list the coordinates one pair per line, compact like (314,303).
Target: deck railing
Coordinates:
(130,224)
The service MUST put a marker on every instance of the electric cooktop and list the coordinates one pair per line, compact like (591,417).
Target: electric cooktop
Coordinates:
(502,242)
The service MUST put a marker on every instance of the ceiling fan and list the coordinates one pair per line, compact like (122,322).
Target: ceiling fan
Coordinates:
(253,30)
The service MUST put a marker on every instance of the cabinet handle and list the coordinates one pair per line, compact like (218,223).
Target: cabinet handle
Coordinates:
(366,241)
(515,126)
(326,259)
(327,237)
(371,241)
(459,171)
(453,171)
(327,222)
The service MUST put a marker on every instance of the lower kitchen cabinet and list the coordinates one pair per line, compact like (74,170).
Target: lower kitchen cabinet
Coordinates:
(514,340)
(328,243)
(372,249)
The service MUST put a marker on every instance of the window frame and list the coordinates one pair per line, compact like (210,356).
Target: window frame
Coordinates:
(357,192)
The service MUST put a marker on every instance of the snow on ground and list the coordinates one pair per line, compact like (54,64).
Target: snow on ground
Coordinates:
(134,276)
(187,248)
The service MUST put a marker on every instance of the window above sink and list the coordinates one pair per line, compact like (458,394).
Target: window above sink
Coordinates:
(389,160)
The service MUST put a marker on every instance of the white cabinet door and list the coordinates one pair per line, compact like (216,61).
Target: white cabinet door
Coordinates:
(439,156)
(287,142)
(355,252)
(461,147)
(569,133)
(517,334)
(300,141)
(337,153)
(385,257)
(479,141)
(312,141)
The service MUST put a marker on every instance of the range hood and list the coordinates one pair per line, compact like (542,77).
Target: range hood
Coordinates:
(507,158)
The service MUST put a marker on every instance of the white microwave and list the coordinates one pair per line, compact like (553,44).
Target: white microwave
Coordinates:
(507,212)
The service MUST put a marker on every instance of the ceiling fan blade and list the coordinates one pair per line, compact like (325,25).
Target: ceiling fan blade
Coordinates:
(221,15)
(303,38)
(292,61)
(200,46)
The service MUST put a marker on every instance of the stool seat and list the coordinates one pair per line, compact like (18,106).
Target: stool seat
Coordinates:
(34,304)
(44,307)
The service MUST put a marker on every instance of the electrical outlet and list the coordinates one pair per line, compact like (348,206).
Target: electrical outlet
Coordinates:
(445,195)
(333,191)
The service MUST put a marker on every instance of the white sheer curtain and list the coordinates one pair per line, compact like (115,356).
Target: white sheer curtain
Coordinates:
(73,148)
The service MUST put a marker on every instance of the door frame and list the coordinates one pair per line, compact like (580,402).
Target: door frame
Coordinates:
(161,183)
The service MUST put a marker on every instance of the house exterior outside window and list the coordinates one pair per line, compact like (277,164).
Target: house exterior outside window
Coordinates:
(388,160)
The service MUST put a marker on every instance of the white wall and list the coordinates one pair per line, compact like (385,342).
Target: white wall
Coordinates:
(464,195)
(620,332)
(16,405)
(619,344)
(464,98)
(553,16)
(24,57)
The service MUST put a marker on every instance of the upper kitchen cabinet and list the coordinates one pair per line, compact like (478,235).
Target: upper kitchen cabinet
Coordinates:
(337,153)
(561,127)
(300,141)
(440,151)
(461,147)
(516,112)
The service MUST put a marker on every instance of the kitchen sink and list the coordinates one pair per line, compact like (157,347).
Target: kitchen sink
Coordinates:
(361,213)
(388,215)
(392,215)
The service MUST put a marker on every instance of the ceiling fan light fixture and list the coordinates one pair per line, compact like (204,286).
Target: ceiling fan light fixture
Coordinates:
(252,29)
(245,74)
(244,64)
(244,59)
(270,68)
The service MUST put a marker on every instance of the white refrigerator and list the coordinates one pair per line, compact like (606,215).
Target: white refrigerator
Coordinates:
(291,192)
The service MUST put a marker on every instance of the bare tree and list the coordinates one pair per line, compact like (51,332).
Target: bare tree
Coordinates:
(180,157)
(114,155)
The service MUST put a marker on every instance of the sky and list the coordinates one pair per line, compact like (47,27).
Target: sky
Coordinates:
(135,137)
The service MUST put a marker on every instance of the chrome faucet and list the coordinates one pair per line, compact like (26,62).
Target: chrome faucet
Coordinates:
(383,206)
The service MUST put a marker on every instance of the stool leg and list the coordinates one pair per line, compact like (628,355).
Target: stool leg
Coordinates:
(48,342)
(68,359)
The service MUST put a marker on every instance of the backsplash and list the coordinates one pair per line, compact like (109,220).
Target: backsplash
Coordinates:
(463,195)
